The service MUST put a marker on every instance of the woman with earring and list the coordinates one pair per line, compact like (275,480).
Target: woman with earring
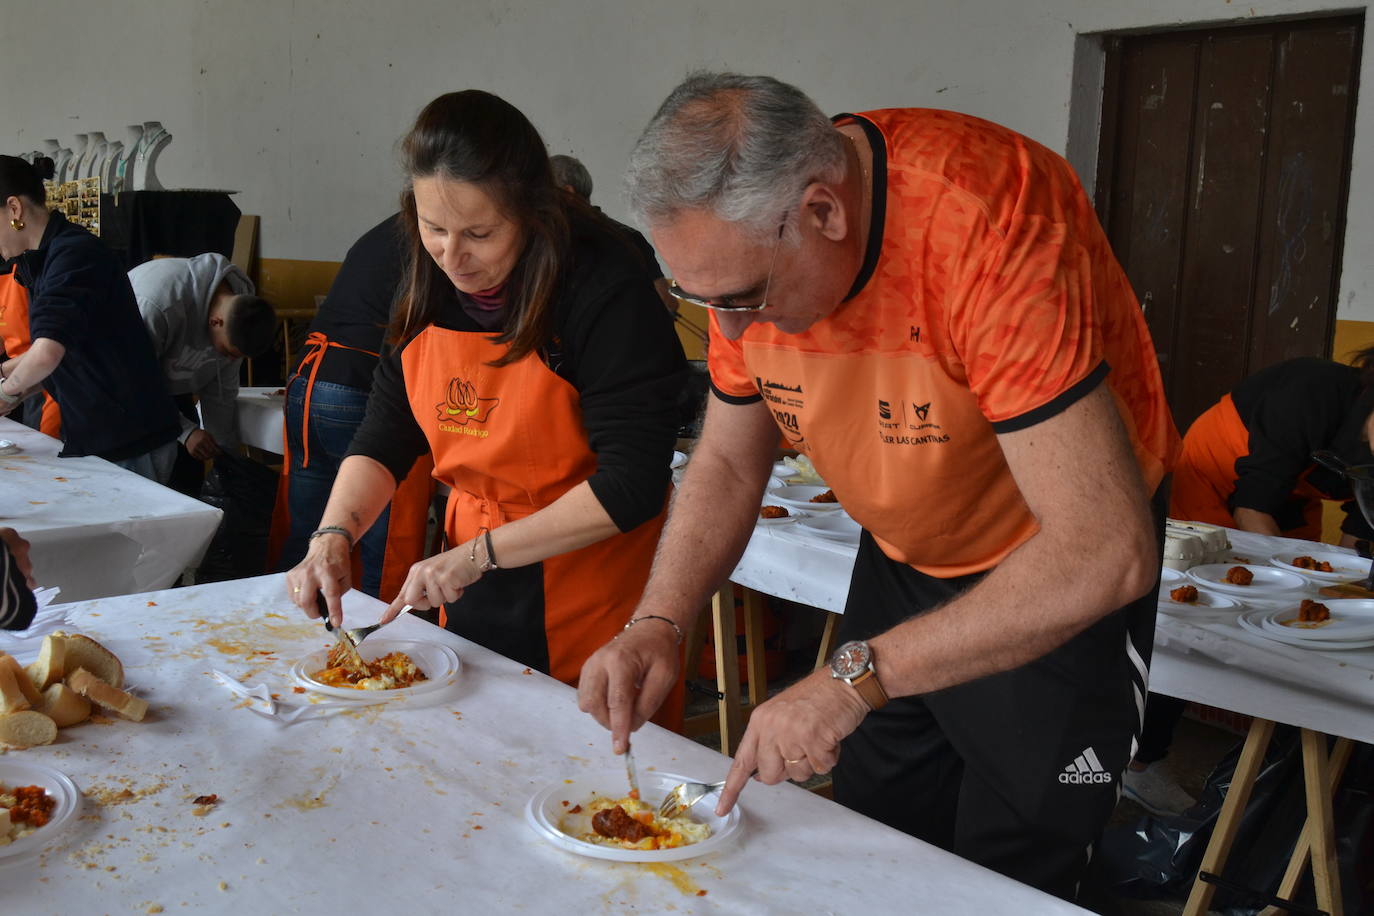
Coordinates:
(88,347)
(534,362)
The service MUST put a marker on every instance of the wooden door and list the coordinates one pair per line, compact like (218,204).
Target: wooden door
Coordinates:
(1225,159)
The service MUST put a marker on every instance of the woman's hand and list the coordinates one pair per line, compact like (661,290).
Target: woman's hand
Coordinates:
(326,570)
(437,580)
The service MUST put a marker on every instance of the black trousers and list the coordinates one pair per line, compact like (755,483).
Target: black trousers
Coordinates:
(1016,771)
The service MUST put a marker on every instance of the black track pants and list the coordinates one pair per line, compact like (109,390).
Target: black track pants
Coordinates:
(1016,771)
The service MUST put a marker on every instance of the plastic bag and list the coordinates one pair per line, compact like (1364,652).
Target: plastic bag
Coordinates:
(246,491)
(1160,856)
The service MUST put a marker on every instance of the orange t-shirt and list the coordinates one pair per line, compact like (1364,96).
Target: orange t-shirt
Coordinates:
(989,301)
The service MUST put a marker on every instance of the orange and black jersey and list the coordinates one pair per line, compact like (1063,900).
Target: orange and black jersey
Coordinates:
(989,300)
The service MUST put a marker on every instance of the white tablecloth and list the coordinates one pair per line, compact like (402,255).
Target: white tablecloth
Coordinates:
(410,807)
(1212,662)
(261,414)
(97,529)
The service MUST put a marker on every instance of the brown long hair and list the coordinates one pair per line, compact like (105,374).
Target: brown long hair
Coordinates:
(477,137)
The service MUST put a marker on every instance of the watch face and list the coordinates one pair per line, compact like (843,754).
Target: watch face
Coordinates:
(850,660)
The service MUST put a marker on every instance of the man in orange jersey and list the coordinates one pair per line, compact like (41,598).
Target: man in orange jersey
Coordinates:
(925,304)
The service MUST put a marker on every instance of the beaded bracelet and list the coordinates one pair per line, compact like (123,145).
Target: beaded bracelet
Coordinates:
(332,529)
(676,629)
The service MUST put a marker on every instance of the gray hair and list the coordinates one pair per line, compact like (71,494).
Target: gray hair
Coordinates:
(741,147)
(571,173)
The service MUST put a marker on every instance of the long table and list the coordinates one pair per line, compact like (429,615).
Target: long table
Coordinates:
(1207,660)
(261,412)
(417,804)
(95,528)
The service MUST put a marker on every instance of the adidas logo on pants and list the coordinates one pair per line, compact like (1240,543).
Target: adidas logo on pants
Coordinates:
(1086,768)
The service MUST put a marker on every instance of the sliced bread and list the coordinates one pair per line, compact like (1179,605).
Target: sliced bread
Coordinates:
(11,664)
(102,694)
(27,729)
(51,664)
(12,698)
(84,652)
(64,705)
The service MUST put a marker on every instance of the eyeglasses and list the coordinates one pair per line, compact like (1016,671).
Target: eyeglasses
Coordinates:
(728,303)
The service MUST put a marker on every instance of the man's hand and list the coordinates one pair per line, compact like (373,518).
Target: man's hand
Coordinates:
(795,735)
(626,680)
(20,549)
(201,445)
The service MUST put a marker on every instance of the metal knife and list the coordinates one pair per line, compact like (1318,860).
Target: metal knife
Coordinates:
(352,660)
(630,772)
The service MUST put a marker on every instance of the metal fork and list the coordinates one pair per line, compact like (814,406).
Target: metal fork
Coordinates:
(682,797)
(357,634)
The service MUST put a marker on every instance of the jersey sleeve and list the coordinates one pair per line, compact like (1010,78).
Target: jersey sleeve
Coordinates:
(730,378)
(1025,321)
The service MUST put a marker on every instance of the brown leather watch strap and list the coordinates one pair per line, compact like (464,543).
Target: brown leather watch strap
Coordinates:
(869,688)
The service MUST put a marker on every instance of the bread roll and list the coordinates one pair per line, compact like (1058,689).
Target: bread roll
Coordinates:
(27,729)
(84,652)
(12,698)
(102,694)
(32,697)
(51,664)
(64,705)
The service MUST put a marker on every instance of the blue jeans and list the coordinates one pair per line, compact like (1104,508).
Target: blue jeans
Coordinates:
(336,412)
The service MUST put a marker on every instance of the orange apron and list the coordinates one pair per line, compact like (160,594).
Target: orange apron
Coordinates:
(1205,476)
(405,533)
(509,441)
(14,331)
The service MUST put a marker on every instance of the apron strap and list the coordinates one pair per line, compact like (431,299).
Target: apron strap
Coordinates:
(316,344)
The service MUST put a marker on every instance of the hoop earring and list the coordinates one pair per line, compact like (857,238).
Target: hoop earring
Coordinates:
(17,223)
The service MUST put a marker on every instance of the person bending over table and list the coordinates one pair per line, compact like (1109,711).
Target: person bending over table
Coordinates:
(538,369)
(1247,464)
(89,348)
(203,319)
(17,603)
(926,305)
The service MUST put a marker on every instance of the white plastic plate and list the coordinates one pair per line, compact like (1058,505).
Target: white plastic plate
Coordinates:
(833,526)
(1172,577)
(1268,579)
(800,496)
(1344,566)
(58,786)
(439,663)
(1251,623)
(1351,618)
(546,809)
(1205,603)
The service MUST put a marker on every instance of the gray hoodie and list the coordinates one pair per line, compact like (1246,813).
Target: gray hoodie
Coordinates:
(174,298)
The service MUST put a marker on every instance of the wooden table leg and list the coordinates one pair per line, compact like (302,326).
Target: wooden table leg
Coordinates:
(827,648)
(727,667)
(1228,822)
(1326,876)
(1340,756)
(754,656)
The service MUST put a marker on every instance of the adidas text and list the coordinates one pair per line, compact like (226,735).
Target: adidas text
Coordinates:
(1075,779)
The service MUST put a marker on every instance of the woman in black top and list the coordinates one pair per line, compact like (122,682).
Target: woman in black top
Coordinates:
(90,350)
(538,369)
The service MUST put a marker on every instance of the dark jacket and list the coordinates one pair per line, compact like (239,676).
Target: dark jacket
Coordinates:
(114,400)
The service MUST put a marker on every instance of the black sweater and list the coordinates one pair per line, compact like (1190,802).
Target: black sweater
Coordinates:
(111,390)
(613,341)
(1290,410)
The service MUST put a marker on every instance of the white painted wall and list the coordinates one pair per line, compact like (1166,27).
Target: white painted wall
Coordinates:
(299,104)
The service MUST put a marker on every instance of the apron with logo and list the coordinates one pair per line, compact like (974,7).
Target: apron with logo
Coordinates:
(509,441)
(14,332)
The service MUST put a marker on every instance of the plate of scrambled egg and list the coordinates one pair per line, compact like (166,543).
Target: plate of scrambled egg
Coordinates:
(35,801)
(591,816)
(396,667)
